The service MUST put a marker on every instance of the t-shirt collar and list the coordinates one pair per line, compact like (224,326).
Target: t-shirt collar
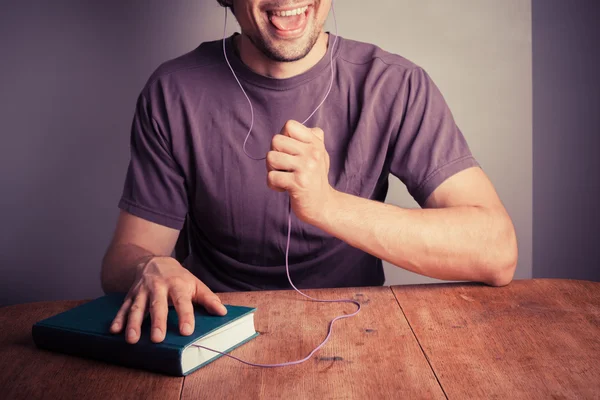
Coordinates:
(246,74)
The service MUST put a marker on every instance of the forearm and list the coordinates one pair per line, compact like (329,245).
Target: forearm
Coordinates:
(120,265)
(455,243)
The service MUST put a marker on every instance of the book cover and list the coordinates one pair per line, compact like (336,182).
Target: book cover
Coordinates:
(84,331)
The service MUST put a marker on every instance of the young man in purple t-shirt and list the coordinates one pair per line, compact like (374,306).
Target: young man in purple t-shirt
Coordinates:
(190,161)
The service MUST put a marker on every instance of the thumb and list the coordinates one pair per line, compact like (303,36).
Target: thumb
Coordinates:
(207,299)
(293,129)
(318,132)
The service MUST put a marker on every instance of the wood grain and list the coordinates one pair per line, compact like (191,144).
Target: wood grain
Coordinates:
(372,355)
(29,373)
(534,339)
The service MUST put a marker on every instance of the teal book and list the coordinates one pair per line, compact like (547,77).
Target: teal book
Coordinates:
(84,331)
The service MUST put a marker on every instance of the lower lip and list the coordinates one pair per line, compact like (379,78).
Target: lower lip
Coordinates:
(294,33)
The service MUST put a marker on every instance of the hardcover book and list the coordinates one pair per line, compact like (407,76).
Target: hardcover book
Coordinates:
(84,331)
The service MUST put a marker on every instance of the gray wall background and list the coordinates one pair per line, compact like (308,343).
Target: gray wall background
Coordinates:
(70,72)
(479,54)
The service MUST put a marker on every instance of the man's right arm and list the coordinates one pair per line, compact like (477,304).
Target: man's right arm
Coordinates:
(135,242)
(138,262)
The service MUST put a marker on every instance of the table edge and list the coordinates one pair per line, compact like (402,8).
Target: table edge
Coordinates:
(479,284)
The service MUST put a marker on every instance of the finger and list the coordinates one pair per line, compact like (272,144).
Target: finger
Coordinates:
(119,321)
(296,130)
(318,132)
(288,145)
(281,161)
(208,299)
(280,180)
(159,310)
(182,301)
(136,317)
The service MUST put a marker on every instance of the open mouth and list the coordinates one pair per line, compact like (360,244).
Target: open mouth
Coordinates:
(289,22)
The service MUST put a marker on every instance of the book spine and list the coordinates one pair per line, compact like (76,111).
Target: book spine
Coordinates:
(152,357)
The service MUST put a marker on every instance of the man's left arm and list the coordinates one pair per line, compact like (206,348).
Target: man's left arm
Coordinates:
(463,233)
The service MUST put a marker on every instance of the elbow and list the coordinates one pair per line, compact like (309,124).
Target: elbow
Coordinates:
(105,282)
(505,257)
(502,276)
(103,279)
(105,286)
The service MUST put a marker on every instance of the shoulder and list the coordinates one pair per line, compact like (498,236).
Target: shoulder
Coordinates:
(392,77)
(368,55)
(195,63)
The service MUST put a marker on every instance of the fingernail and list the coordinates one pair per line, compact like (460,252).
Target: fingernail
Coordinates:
(115,327)
(156,333)
(220,307)
(186,329)
(131,334)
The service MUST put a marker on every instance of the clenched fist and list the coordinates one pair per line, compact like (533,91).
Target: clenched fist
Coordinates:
(299,164)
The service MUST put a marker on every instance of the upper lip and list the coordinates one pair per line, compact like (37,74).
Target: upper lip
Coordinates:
(293,7)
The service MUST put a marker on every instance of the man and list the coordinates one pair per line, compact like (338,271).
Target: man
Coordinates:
(189,161)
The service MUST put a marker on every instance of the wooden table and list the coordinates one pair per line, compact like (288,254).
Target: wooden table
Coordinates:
(531,339)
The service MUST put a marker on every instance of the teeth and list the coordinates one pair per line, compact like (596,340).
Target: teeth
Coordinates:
(290,13)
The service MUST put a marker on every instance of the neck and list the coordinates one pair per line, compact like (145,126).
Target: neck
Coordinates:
(259,63)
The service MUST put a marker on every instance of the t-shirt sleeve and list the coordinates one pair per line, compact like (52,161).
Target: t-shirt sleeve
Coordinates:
(429,147)
(154,187)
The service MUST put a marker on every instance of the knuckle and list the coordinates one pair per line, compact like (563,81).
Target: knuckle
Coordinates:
(155,286)
(186,316)
(190,286)
(173,281)
(276,140)
(135,308)
(211,294)
(208,296)
(159,324)
(121,314)
(302,181)
(181,300)
(289,124)
(125,306)
(156,305)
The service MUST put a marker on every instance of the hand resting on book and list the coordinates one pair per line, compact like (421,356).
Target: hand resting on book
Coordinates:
(159,282)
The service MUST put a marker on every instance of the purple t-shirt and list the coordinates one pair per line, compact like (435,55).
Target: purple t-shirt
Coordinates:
(384,115)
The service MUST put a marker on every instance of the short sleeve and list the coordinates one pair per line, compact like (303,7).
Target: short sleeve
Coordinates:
(154,187)
(429,147)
